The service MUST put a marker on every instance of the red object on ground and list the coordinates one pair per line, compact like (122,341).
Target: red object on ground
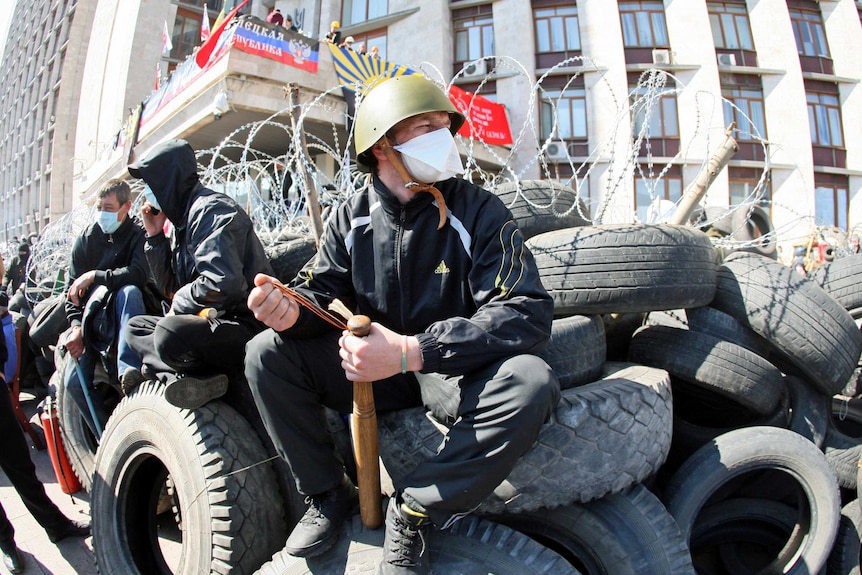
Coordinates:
(59,459)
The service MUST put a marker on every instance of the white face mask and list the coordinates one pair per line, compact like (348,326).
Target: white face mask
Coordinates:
(431,157)
(151,198)
(108,221)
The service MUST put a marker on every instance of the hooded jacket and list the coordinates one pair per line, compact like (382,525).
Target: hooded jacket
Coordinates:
(214,253)
(470,292)
(118,259)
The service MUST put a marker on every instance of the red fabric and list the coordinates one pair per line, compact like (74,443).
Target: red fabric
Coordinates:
(488,119)
(206,49)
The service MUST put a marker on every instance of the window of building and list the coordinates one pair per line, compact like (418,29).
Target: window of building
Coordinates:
(745,107)
(654,118)
(745,186)
(831,201)
(371,39)
(186,34)
(730,26)
(564,114)
(557,29)
(356,11)
(808,30)
(474,33)
(650,187)
(643,24)
(824,118)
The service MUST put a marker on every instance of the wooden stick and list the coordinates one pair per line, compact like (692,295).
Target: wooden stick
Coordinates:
(365,448)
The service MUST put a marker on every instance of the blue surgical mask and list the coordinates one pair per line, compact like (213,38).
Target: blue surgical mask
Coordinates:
(108,221)
(151,198)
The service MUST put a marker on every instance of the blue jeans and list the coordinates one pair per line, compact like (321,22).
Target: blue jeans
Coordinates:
(128,302)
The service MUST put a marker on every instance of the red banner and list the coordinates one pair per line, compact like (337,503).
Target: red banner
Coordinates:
(488,119)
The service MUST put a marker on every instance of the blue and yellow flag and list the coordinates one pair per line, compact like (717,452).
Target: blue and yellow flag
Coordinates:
(361,71)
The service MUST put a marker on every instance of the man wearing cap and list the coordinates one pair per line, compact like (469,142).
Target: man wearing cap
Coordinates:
(458,314)
(206,269)
(109,253)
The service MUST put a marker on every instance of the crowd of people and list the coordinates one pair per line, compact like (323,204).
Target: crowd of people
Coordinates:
(182,294)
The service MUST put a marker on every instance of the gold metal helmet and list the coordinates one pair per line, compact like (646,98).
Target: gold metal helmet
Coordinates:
(393,100)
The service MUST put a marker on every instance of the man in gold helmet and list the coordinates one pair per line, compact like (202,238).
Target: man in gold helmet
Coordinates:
(334,34)
(457,312)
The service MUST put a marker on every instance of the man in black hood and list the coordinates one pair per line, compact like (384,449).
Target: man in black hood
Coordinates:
(17,270)
(206,269)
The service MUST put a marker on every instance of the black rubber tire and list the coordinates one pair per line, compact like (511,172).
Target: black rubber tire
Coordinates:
(735,529)
(231,508)
(843,442)
(288,257)
(602,438)
(714,466)
(48,321)
(847,550)
(841,279)
(472,546)
(715,322)
(809,410)
(711,363)
(628,533)
(700,416)
(753,225)
(577,350)
(800,320)
(540,206)
(625,268)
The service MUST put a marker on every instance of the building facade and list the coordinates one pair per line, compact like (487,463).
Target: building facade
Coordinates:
(784,71)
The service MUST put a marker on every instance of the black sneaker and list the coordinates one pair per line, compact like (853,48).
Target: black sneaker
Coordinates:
(318,529)
(404,544)
(73,528)
(131,379)
(12,559)
(189,392)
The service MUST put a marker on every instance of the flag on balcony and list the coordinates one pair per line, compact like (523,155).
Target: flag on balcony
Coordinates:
(361,71)
(486,119)
(206,49)
(205,25)
(167,45)
(158,77)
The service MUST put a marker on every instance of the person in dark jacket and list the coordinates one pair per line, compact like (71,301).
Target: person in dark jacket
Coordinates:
(206,269)
(16,271)
(458,313)
(19,469)
(110,253)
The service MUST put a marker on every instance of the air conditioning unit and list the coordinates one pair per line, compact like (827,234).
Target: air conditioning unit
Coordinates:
(661,56)
(475,69)
(557,152)
(727,59)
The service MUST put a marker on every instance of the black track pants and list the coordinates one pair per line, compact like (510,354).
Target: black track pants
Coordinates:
(495,416)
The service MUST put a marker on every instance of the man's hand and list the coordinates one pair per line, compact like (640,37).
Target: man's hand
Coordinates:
(153,223)
(74,341)
(270,306)
(377,355)
(79,287)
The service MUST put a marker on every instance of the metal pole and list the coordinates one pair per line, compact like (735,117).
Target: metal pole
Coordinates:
(695,192)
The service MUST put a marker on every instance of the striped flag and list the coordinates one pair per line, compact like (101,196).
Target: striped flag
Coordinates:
(167,45)
(205,25)
(361,71)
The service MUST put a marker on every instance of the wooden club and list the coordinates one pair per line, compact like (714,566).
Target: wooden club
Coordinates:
(365,448)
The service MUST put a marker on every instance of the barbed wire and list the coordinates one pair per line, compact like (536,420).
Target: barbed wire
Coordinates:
(274,189)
